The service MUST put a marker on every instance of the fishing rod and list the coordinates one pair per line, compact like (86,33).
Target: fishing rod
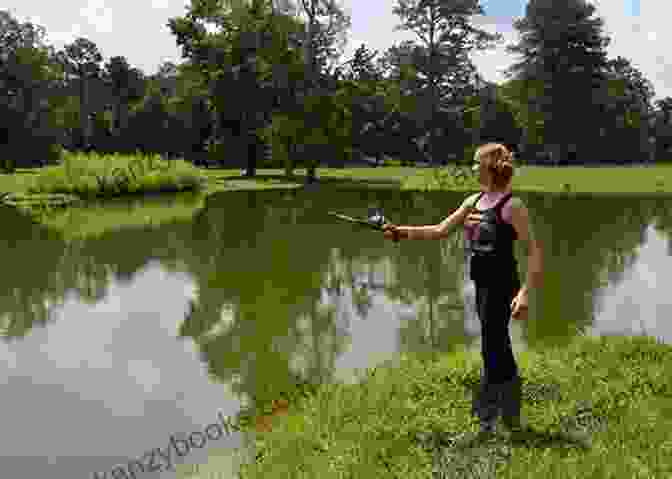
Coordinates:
(376,220)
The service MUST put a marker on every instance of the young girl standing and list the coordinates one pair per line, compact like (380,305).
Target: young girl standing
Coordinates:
(493,220)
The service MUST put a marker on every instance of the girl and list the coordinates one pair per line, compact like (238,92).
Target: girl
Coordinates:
(493,219)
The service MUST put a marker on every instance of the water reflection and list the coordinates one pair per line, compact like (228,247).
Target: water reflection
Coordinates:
(149,331)
(636,306)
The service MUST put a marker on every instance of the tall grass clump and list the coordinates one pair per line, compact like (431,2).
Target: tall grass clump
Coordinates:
(95,175)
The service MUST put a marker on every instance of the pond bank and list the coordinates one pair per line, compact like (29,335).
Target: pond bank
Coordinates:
(400,420)
(17,188)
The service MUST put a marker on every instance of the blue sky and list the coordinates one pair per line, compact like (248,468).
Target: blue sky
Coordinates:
(137,30)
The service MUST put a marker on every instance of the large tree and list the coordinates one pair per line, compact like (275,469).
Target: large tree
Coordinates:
(29,76)
(439,71)
(627,100)
(253,54)
(127,86)
(563,62)
(82,59)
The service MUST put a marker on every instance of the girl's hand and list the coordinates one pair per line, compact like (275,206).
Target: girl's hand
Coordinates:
(392,232)
(519,305)
(473,217)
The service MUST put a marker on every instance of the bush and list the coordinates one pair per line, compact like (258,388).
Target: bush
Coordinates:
(104,175)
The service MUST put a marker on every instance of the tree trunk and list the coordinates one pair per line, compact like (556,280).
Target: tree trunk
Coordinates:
(251,147)
(85,121)
(644,145)
(310,176)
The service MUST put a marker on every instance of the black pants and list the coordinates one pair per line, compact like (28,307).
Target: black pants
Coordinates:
(493,304)
(496,286)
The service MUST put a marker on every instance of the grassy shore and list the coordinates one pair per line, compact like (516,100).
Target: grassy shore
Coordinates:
(63,183)
(601,407)
(616,180)
(93,176)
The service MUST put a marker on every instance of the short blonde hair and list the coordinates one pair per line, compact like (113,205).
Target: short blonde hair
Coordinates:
(498,160)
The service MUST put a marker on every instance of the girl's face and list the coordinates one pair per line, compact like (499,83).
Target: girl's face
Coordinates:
(483,174)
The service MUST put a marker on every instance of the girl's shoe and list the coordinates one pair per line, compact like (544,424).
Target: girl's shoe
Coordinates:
(486,433)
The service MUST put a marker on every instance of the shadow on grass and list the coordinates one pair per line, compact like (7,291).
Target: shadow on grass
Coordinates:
(474,455)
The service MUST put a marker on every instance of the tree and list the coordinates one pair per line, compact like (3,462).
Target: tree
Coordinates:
(628,96)
(322,40)
(28,77)
(663,127)
(563,61)
(236,62)
(629,81)
(82,59)
(127,85)
(441,71)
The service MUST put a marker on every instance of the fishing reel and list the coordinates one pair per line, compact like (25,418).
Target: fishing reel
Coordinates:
(377,218)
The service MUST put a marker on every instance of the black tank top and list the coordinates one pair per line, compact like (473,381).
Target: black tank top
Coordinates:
(493,236)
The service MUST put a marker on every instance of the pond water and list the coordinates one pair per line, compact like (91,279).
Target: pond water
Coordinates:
(115,343)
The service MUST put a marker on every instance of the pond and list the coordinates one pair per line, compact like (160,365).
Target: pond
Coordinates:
(116,342)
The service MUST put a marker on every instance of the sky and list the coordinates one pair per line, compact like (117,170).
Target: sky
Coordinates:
(138,30)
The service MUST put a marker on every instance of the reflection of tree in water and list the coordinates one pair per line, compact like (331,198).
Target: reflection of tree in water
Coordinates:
(663,221)
(44,267)
(30,255)
(272,282)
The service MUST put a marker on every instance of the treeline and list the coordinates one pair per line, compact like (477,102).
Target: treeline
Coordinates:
(262,85)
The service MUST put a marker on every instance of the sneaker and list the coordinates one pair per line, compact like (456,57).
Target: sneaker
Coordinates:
(488,427)
(513,423)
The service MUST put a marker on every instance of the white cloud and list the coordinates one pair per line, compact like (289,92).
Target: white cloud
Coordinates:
(99,16)
(137,29)
(642,39)
(59,39)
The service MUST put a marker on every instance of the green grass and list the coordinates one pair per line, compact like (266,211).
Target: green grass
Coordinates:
(615,390)
(93,175)
(626,180)
(184,176)
(616,180)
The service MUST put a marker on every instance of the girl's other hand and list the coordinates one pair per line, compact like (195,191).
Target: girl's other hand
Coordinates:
(519,305)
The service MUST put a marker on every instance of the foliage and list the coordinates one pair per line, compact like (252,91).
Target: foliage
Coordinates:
(562,65)
(111,175)
(438,72)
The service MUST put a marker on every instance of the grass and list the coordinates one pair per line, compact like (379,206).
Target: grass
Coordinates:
(93,175)
(400,420)
(616,180)
(80,178)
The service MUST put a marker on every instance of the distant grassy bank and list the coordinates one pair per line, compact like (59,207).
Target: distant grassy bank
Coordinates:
(109,176)
(600,407)
(608,180)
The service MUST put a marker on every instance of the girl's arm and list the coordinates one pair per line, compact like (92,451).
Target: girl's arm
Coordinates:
(443,229)
(521,223)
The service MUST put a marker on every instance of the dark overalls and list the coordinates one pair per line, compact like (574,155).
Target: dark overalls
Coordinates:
(494,270)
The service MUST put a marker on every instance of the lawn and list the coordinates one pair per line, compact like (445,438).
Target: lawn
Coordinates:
(616,180)
(599,407)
